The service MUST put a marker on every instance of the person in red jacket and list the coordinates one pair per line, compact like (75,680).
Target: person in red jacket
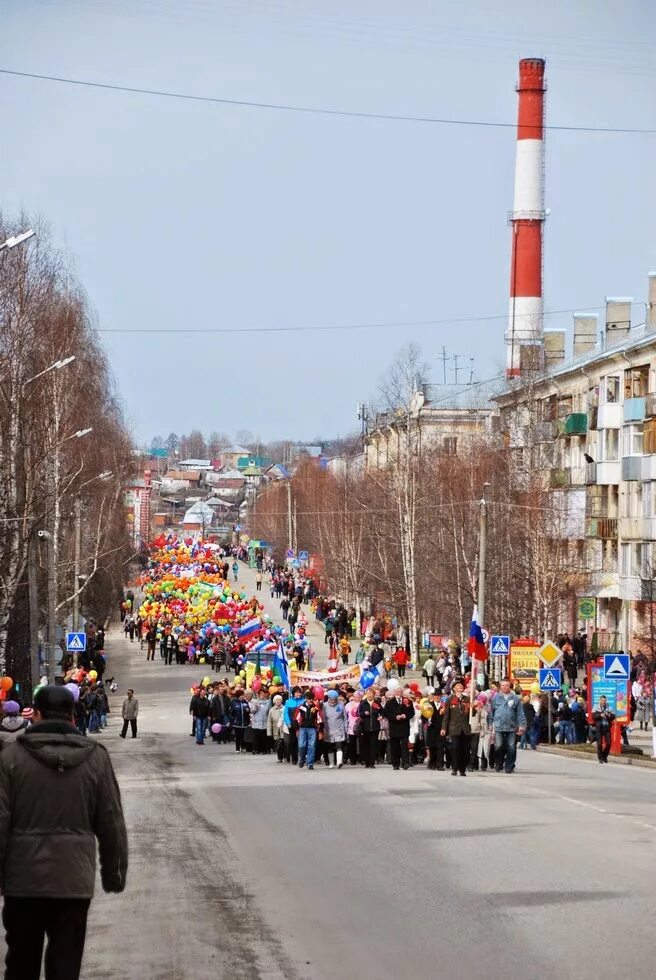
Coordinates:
(401,659)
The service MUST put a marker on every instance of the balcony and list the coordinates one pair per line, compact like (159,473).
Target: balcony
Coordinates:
(606,642)
(575,424)
(650,407)
(648,467)
(567,476)
(609,416)
(609,472)
(631,467)
(590,474)
(601,527)
(634,409)
(630,528)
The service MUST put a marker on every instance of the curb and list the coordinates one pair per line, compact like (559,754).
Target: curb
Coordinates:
(642,763)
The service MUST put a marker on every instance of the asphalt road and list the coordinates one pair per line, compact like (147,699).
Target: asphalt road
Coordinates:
(244,868)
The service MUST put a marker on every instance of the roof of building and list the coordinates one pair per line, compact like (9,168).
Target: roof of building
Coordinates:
(196,464)
(199,513)
(260,461)
(230,475)
(182,475)
(252,471)
(236,451)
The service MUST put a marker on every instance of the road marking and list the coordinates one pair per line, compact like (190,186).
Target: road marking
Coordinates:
(588,806)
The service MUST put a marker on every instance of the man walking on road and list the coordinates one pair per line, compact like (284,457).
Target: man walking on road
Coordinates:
(603,722)
(398,711)
(58,793)
(200,709)
(129,713)
(310,721)
(508,720)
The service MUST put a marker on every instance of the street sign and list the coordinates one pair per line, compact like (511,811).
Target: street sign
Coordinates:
(485,634)
(499,645)
(291,553)
(587,607)
(296,563)
(549,653)
(76,642)
(550,678)
(615,690)
(616,666)
(304,555)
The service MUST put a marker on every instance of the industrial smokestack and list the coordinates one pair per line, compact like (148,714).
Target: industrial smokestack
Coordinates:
(525,323)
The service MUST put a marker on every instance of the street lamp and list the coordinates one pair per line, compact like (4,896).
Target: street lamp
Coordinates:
(78,546)
(57,366)
(15,240)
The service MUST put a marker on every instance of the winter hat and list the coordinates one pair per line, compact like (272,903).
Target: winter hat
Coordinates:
(11,707)
(277,699)
(27,713)
(333,695)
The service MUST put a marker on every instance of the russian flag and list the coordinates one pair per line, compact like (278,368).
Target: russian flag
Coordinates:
(252,626)
(475,644)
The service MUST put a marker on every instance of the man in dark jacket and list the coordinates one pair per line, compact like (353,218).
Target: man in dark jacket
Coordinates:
(603,721)
(58,793)
(456,727)
(199,708)
(398,711)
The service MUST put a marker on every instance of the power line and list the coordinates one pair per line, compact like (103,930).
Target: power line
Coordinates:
(313,110)
(301,328)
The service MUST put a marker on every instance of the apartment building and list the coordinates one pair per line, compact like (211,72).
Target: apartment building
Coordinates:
(588,426)
(442,417)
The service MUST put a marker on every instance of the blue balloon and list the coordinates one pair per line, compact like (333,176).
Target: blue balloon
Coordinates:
(367,678)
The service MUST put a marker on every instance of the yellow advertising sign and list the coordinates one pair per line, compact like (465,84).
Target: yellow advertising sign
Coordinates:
(524,663)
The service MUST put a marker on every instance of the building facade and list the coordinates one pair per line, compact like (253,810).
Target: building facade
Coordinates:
(588,426)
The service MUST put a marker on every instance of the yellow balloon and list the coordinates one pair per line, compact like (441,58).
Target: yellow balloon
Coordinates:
(535,688)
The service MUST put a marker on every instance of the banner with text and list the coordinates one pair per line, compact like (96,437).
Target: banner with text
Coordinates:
(308,678)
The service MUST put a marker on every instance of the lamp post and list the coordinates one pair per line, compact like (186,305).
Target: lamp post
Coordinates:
(15,240)
(78,547)
(52,588)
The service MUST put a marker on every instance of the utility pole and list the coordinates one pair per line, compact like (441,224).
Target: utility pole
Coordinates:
(290,532)
(295,542)
(76,564)
(33,597)
(52,607)
(482,556)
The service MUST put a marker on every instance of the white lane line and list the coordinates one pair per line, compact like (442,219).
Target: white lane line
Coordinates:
(550,794)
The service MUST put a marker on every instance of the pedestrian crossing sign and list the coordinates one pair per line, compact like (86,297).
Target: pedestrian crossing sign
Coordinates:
(500,646)
(550,678)
(616,665)
(76,642)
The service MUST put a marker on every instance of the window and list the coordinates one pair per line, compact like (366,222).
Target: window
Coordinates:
(647,499)
(636,558)
(450,445)
(636,382)
(624,559)
(609,444)
(632,440)
(612,388)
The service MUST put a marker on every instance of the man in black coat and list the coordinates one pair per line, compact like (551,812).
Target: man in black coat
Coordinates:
(398,711)
(456,727)
(58,795)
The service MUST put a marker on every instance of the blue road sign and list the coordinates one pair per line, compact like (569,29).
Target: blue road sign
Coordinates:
(551,678)
(290,552)
(76,642)
(616,666)
(499,646)
(296,563)
(304,555)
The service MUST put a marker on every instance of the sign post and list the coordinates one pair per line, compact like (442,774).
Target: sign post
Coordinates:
(551,679)
(609,678)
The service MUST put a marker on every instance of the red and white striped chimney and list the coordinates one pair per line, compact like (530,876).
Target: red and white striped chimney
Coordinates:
(525,322)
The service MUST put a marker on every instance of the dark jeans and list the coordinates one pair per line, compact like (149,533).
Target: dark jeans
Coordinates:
(132,722)
(459,752)
(401,669)
(505,750)
(437,754)
(603,745)
(239,739)
(291,747)
(399,751)
(352,749)
(28,921)
(369,748)
(150,651)
(260,741)
(201,724)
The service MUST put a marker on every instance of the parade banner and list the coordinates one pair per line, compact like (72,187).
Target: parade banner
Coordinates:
(308,678)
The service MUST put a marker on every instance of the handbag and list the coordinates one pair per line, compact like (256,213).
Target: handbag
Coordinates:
(357,728)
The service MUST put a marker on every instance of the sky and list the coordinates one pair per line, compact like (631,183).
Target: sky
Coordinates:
(183,216)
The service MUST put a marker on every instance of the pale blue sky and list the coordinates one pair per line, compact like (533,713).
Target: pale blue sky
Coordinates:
(182,214)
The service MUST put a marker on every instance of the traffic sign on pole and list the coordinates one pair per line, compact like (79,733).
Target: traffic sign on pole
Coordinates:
(616,666)
(76,642)
(304,555)
(549,653)
(499,645)
(551,678)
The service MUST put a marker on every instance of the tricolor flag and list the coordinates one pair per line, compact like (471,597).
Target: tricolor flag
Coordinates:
(252,626)
(475,644)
